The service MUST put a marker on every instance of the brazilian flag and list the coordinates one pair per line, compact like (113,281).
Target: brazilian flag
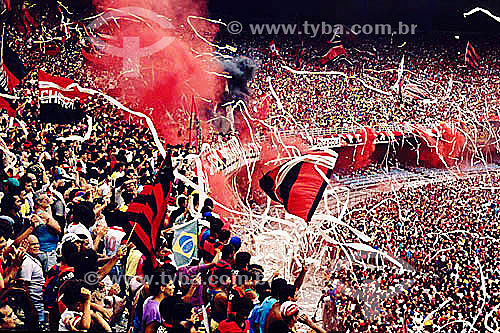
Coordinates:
(185,246)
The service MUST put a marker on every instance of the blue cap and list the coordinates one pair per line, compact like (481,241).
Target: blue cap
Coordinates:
(236,242)
(12,182)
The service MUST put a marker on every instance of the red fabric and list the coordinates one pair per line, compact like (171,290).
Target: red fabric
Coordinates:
(4,104)
(304,191)
(229,326)
(443,149)
(146,213)
(303,184)
(52,50)
(357,151)
(63,83)
(333,53)
(12,80)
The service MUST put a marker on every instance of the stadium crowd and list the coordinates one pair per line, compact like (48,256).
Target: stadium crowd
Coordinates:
(445,234)
(66,262)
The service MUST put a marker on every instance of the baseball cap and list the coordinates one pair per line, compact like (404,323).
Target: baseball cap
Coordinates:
(72,237)
(289,309)
(236,242)
(12,182)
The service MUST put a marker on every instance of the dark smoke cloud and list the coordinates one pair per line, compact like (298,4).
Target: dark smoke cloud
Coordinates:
(242,70)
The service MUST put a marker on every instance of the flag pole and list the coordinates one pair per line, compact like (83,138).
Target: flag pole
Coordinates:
(1,51)
(131,233)
(191,121)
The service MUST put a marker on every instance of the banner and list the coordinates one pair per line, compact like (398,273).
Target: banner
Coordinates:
(60,99)
(335,52)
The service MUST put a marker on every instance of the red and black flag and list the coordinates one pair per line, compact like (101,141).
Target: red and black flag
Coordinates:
(5,5)
(471,56)
(299,184)
(336,52)
(146,213)
(275,51)
(300,58)
(60,99)
(12,72)
(416,91)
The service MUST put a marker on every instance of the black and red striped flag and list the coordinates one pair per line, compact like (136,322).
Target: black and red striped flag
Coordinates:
(416,91)
(12,72)
(471,56)
(146,213)
(299,184)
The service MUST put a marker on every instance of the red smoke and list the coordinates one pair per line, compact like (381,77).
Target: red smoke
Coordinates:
(170,77)
(222,192)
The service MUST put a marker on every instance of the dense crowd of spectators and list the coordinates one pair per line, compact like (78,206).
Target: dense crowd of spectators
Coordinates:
(329,100)
(445,234)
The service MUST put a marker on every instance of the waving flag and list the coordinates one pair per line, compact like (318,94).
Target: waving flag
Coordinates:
(471,56)
(60,99)
(416,91)
(185,246)
(147,211)
(274,50)
(336,51)
(12,72)
(299,184)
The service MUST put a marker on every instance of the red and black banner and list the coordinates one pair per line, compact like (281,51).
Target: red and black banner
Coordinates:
(147,211)
(336,52)
(300,190)
(471,57)
(416,91)
(60,99)
(12,72)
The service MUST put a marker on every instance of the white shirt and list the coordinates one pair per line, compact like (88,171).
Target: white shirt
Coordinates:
(113,240)
(68,317)
(31,271)
(79,228)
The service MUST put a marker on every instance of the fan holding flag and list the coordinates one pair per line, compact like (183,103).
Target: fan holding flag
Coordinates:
(146,213)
